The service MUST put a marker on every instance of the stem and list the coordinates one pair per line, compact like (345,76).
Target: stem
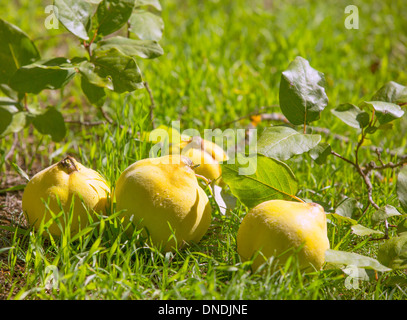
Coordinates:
(68,163)
(88,45)
(343,158)
(364,173)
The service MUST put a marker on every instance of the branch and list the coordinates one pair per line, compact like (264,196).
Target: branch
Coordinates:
(106,116)
(343,158)
(373,166)
(86,123)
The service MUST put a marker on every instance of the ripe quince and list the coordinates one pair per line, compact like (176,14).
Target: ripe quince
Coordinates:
(60,185)
(162,197)
(204,154)
(275,227)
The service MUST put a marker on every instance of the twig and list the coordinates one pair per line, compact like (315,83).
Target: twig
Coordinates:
(106,116)
(373,166)
(86,123)
(152,103)
(264,116)
(343,158)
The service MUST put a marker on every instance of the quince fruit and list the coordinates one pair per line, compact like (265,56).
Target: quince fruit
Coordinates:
(59,185)
(276,226)
(204,154)
(162,197)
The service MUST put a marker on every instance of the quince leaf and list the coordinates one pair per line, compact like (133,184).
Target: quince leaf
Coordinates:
(385,112)
(257,178)
(75,16)
(402,188)
(360,230)
(302,92)
(147,49)
(119,69)
(111,15)
(16,50)
(95,95)
(393,252)
(50,122)
(384,213)
(11,119)
(146,25)
(48,74)
(338,258)
(352,115)
(282,142)
(391,92)
(320,152)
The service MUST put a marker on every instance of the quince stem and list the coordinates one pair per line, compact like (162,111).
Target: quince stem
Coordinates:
(68,164)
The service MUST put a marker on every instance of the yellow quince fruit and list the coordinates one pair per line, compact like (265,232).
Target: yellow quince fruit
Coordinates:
(276,226)
(60,185)
(162,197)
(204,154)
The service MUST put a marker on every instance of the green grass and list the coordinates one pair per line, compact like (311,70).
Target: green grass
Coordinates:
(223,60)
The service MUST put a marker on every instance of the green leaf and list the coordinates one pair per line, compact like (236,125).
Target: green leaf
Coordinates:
(384,213)
(10,92)
(147,49)
(154,3)
(112,15)
(95,95)
(345,211)
(402,227)
(358,274)
(360,230)
(351,115)
(87,70)
(121,70)
(16,50)
(402,188)
(302,92)
(146,25)
(11,119)
(391,92)
(347,208)
(320,152)
(340,258)
(384,111)
(50,122)
(260,180)
(342,218)
(6,116)
(49,74)
(393,252)
(75,16)
(282,142)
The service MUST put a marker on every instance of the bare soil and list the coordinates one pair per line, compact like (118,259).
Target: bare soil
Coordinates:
(10,216)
